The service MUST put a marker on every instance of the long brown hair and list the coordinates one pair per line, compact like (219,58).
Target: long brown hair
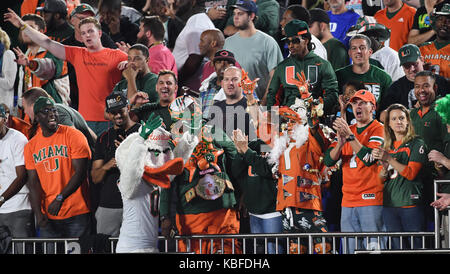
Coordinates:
(389,136)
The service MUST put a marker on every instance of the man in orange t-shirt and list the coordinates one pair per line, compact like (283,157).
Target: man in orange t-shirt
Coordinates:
(56,160)
(95,66)
(362,199)
(399,18)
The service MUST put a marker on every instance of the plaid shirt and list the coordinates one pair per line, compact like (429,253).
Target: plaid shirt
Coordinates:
(207,97)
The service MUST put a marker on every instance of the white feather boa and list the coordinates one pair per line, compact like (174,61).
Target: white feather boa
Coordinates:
(131,158)
(299,134)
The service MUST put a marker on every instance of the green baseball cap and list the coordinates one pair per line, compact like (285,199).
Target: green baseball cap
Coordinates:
(82,8)
(41,103)
(409,53)
(295,28)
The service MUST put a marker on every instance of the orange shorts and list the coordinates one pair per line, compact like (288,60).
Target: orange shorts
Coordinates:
(223,221)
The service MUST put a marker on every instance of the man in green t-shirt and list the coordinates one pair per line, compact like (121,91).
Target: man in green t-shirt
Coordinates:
(282,89)
(137,75)
(375,79)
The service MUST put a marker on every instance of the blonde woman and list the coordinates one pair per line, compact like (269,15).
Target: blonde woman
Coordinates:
(8,70)
(401,159)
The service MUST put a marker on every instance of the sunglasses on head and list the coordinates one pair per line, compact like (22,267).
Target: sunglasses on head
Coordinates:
(295,40)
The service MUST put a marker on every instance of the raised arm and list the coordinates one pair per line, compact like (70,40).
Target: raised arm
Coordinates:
(39,38)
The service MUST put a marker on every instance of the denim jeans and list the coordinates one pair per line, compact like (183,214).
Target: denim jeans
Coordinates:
(397,219)
(271,225)
(21,225)
(362,219)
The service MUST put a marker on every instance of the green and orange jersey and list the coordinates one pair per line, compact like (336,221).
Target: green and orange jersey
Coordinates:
(52,157)
(399,23)
(405,188)
(296,186)
(361,186)
(438,55)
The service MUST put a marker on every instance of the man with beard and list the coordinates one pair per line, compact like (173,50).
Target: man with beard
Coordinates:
(375,79)
(166,87)
(282,89)
(56,160)
(39,67)
(211,89)
(211,41)
(257,53)
(104,167)
(55,13)
(137,75)
(402,90)
(438,52)
(151,34)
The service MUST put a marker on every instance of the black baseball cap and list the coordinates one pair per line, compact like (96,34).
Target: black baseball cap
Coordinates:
(54,6)
(115,101)
(224,55)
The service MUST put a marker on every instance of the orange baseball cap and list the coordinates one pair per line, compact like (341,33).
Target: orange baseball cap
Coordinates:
(364,95)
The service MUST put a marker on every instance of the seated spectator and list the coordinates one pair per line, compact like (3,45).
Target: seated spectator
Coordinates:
(341,20)
(120,28)
(421,31)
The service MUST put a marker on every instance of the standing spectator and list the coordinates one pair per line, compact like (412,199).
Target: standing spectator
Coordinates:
(151,34)
(401,160)
(118,27)
(15,208)
(54,13)
(56,160)
(386,56)
(437,53)
(264,54)
(95,65)
(421,30)
(79,13)
(375,79)
(39,67)
(402,90)
(137,75)
(259,188)
(210,42)
(341,20)
(8,71)
(267,18)
(187,53)
(398,17)
(104,167)
(320,27)
(211,89)
(166,87)
(231,112)
(318,71)
(300,13)
(362,201)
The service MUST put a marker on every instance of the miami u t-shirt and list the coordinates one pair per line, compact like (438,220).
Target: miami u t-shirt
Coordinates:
(361,186)
(97,74)
(52,157)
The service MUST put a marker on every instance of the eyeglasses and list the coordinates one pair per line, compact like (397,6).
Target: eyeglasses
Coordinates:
(46,111)
(410,65)
(295,40)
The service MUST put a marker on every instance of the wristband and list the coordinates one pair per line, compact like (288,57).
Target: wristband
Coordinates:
(24,26)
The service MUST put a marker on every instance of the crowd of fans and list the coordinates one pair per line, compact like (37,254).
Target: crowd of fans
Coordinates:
(78,77)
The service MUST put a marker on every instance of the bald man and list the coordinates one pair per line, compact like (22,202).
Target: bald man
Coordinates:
(211,41)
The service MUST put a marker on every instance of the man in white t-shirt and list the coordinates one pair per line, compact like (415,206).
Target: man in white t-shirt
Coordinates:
(187,53)
(15,208)
(256,52)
